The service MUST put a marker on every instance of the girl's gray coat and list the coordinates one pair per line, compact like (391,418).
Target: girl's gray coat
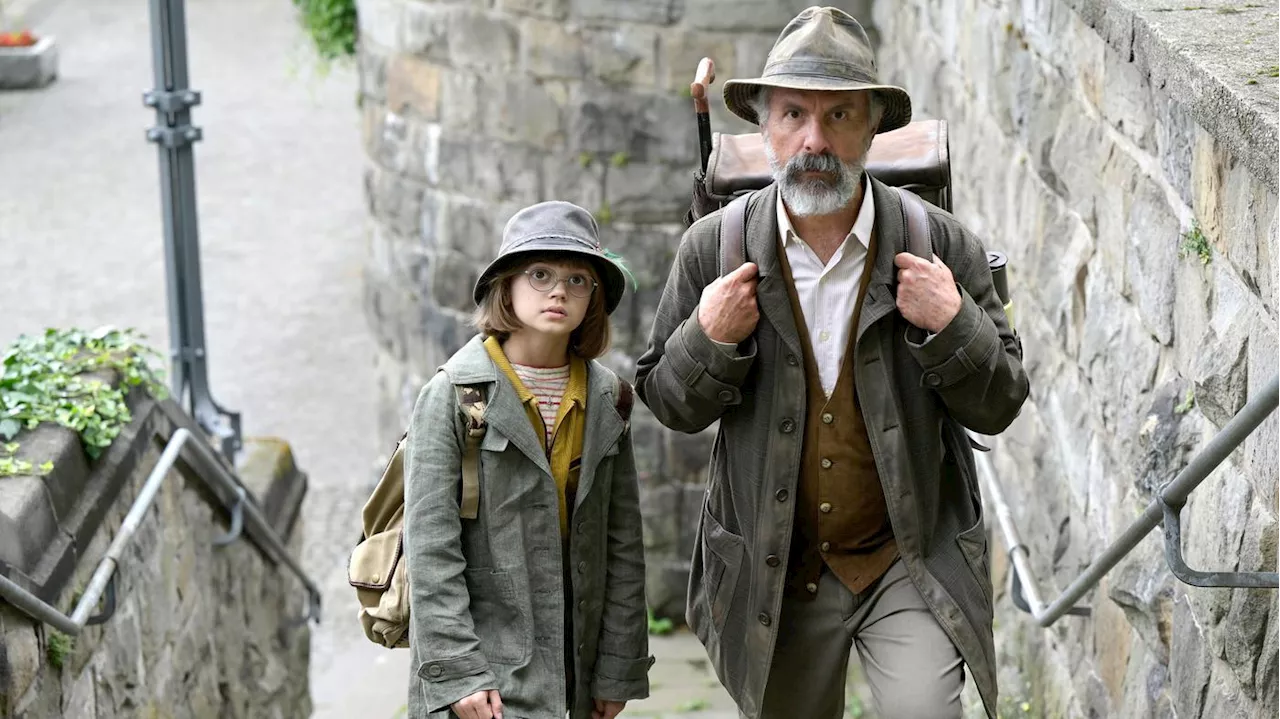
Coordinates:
(486,595)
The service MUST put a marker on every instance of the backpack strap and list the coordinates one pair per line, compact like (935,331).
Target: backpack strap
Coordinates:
(473,402)
(919,241)
(733,234)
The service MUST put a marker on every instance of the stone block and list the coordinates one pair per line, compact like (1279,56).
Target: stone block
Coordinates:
(666,584)
(1244,627)
(491,170)
(396,143)
(425,30)
(1220,374)
(1175,132)
(27,521)
(553,49)
(1262,448)
(371,68)
(472,230)
(738,15)
(1189,660)
(646,193)
(626,56)
(380,21)
(1127,101)
(682,50)
(554,9)
(522,111)
(394,200)
(413,88)
(577,179)
(29,68)
(632,128)
(1154,239)
(651,12)
(1144,588)
(482,41)
(461,109)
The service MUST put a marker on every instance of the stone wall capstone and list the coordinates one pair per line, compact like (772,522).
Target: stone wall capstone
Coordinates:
(1142,254)
(473,110)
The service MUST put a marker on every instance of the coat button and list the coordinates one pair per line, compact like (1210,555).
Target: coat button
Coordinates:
(726,395)
(764,619)
(828,418)
(792,360)
(581,527)
(772,560)
(825,507)
(582,604)
(826,546)
(435,670)
(377,578)
(826,463)
(788,426)
(781,495)
(811,587)
(933,379)
(582,567)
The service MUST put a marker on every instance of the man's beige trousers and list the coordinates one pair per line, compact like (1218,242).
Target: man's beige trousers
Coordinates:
(913,668)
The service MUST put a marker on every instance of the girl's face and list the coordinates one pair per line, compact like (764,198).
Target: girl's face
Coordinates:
(552,297)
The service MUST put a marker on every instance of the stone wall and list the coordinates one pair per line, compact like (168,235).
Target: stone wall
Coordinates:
(197,631)
(473,110)
(1142,249)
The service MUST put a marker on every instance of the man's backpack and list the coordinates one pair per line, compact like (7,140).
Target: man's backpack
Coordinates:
(376,569)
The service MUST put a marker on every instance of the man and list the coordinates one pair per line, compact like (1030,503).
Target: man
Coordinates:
(842,507)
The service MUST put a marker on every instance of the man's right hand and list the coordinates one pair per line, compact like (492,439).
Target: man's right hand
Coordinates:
(481,705)
(728,311)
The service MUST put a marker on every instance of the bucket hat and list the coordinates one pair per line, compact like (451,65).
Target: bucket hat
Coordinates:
(560,227)
(822,48)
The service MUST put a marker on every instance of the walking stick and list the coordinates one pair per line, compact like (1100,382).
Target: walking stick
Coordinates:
(702,79)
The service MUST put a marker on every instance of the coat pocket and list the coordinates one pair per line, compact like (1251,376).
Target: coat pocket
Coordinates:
(722,553)
(973,546)
(501,622)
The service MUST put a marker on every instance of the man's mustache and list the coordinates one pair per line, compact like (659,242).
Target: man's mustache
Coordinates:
(808,162)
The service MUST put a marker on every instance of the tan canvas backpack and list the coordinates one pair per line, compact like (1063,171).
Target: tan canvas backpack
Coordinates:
(375,569)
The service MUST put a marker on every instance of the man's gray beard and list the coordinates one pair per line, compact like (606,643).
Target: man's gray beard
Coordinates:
(810,197)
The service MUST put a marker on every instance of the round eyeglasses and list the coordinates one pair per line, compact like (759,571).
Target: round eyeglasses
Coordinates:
(543,279)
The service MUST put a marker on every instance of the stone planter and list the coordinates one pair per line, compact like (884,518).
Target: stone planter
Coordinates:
(23,68)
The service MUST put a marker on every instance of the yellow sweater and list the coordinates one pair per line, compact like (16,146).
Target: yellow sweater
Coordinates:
(565,454)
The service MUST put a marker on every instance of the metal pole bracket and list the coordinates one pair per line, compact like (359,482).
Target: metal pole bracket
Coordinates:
(166,101)
(237,521)
(1187,575)
(1020,599)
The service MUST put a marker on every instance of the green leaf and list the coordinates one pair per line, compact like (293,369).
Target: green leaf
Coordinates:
(46,467)
(9,428)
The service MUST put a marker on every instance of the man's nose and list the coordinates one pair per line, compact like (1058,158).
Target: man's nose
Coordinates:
(815,137)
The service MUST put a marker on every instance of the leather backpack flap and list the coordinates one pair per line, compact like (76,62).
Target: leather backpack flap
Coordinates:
(915,157)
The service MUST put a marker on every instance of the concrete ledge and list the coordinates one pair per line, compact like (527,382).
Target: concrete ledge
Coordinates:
(25,68)
(47,523)
(1216,57)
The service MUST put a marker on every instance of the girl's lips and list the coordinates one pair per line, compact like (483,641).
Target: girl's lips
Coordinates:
(555,312)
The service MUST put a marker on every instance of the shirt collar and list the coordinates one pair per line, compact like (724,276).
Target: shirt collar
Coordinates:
(575,393)
(862,226)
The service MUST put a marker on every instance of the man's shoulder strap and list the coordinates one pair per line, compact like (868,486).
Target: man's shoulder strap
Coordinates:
(919,241)
(624,398)
(733,234)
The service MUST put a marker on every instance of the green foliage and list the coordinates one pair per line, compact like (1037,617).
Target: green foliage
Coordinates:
(41,382)
(694,705)
(1187,402)
(58,648)
(331,25)
(659,626)
(1195,243)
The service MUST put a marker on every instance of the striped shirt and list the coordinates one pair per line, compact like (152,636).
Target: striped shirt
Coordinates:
(548,385)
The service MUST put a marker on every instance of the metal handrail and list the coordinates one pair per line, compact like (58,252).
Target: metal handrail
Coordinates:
(1174,494)
(104,575)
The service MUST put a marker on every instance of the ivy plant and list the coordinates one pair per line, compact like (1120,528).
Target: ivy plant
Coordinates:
(42,381)
(331,25)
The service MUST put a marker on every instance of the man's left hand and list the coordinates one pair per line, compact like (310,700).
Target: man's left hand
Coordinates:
(606,709)
(927,294)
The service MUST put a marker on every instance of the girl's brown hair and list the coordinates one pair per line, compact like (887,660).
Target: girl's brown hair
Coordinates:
(496,317)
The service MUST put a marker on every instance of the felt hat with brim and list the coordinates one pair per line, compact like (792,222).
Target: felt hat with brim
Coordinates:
(822,48)
(555,228)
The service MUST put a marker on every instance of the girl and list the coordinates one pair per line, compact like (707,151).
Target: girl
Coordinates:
(536,608)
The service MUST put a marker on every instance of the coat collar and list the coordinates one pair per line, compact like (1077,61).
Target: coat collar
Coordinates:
(763,245)
(506,413)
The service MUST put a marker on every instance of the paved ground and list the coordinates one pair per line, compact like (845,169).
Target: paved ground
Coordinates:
(281,220)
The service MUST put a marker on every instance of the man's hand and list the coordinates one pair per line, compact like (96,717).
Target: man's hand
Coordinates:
(728,311)
(927,294)
(606,709)
(481,705)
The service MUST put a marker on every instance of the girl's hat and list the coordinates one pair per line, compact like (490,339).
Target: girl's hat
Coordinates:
(555,227)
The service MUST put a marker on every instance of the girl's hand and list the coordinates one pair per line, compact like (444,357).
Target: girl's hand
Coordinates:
(606,709)
(484,704)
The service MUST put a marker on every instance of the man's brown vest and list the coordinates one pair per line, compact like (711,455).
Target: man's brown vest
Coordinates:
(841,518)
